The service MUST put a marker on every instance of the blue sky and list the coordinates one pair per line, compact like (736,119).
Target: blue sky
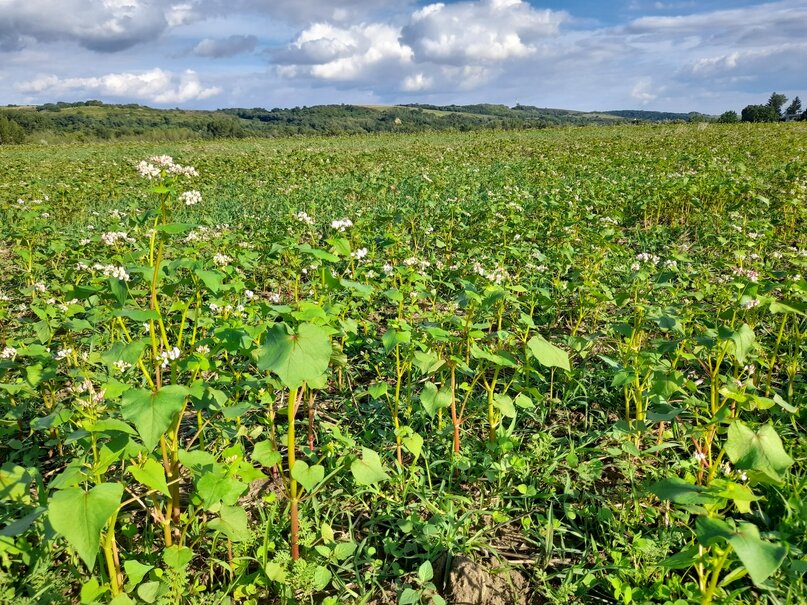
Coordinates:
(673,55)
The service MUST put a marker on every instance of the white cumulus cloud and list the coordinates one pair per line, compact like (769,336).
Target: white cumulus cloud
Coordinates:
(155,86)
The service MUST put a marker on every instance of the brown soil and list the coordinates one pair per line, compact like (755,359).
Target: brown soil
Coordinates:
(472,583)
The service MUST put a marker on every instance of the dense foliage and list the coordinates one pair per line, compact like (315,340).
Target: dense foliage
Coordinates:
(93,120)
(558,366)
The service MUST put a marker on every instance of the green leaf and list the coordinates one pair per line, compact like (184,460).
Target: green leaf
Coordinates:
(393,338)
(322,576)
(425,572)
(413,443)
(151,474)
(214,488)
(368,470)
(547,354)
(152,414)
(378,389)
(409,596)
(177,557)
(761,454)
(135,572)
(741,495)
(275,572)
(307,476)
(743,340)
(295,358)
(232,522)
(211,279)
(681,492)
(265,454)
(80,516)
(760,557)
(434,400)
(504,403)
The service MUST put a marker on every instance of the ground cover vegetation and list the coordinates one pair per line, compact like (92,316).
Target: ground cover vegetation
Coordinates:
(558,366)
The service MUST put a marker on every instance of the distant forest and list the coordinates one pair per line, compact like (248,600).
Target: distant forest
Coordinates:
(94,120)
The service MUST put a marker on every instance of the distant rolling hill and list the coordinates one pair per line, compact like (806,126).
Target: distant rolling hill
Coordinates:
(94,120)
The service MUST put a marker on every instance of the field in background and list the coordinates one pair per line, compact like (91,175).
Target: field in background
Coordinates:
(554,366)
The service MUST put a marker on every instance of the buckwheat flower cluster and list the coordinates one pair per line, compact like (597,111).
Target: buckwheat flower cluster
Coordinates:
(112,271)
(169,356)
(749,274)
(750,303)
(274,298)
(305,218)
(342,224)
(64,353)
(191,198)
(359,254)
(8,353)
(4,297)
(387,268)
(699,457)
(222,260)
(203,350)
(122,366)
(148,171)
(112,238)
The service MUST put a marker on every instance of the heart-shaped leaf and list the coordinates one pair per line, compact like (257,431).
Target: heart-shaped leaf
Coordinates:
(760,453)
(152,414)
(80,516)
(307,476)
(368,470)
(295,358)
(547,354)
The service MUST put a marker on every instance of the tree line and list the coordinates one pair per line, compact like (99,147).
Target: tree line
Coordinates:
(769,112)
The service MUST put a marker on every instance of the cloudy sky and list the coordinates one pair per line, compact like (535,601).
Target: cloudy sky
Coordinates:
(702,55)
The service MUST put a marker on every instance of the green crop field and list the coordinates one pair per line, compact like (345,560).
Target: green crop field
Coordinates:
(556,366)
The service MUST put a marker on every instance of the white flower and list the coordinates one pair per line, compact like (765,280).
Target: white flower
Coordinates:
(203,349)
(40,287)
(750,303)
(121,366)
(112,238)
(635,267)
(147,170)
(699,457)
(63,353)
(8,353)
(169,356)
(645,257)
(342,224)
(162,160)
(147,328)
(191,198)
(671,264)
(387,268)
(304,217)
(359,254)
(112,271)
(743,476)
(274,298)
(221,260)
(249,294)
(182,170)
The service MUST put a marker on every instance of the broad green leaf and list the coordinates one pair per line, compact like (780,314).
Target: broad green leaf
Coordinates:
(322,576)
(275,572)
(547,354)
(378,389)
(368,470)
(681,492)
(392,338)
(413,443)
(760,453)
(232,522)
(295,358)
(135,572)
(265,454)
(177,557)
(409,596)
(151,474)
(504,403)
(214,488)
(434,400)
(211,279)
(741,495)
(152,414)
(80,516)
(307,476)
(425,572)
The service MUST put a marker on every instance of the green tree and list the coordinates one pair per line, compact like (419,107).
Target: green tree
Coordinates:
(728,117)
(759,113)
(794,108)
(776,101)
(10,132)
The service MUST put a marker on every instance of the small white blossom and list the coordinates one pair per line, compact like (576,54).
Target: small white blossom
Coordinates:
(203,349)
(342,224)
(121,366)
(191,198)
(387,268)
(359,254)
(112,238)
(147,170)
(249,294)
(699,457)
(169,356)
(8,353)
(221,260)
(305,218)
(64,353)
(750,303)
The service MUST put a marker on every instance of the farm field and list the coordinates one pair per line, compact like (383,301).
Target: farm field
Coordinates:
(556,366)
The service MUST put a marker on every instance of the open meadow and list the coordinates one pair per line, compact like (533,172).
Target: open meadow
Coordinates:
(555,366)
